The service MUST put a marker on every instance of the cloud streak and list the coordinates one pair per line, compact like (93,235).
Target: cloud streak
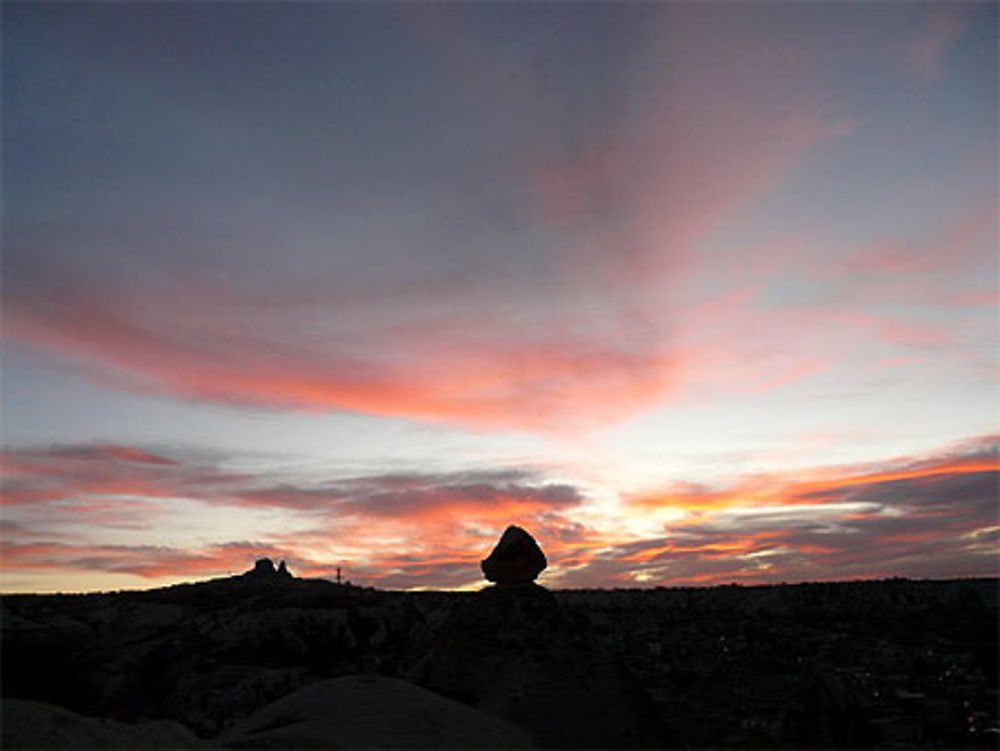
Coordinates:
(874,520)
(430,530)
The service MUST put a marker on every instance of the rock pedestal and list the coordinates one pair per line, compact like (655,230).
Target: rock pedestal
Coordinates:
(516,653)
(513,651)
(516,559)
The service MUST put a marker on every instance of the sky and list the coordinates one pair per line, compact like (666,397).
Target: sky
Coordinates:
(696,293)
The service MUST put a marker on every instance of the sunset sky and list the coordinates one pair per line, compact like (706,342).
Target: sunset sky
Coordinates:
(697,293)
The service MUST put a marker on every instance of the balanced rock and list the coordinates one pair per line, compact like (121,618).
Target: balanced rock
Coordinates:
(516,559)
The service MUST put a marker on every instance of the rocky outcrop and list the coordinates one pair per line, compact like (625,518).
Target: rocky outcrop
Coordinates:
(516,559)
(370,712)
(264,570)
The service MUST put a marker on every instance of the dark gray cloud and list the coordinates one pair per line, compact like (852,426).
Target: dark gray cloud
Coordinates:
(45,478)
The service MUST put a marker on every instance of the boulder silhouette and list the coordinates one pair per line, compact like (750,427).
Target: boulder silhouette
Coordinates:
(516,559)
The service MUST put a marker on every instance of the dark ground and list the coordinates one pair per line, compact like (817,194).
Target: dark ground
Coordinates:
(885,664)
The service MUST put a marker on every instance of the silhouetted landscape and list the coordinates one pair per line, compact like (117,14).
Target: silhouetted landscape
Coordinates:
(268,660)
(304,302)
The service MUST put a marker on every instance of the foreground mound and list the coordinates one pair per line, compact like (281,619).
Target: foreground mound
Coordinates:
(35,724)
(369,711)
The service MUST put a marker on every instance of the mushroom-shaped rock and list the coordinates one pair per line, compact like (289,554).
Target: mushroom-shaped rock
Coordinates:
(516,559)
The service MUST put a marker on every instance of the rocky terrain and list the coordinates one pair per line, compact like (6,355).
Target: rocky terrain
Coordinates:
(270,660)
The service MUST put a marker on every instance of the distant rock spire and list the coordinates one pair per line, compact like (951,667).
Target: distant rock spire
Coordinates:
(283,572)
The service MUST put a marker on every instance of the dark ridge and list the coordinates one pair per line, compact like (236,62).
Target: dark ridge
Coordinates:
(891,663)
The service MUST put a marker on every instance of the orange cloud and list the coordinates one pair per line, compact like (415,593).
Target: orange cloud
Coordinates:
(526,385)
(897,518)
(824,486)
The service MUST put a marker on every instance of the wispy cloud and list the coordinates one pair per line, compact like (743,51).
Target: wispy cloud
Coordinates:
(557,323)
(38,476)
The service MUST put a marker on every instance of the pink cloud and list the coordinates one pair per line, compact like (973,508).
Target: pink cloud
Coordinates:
(500,381)
(967,241)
